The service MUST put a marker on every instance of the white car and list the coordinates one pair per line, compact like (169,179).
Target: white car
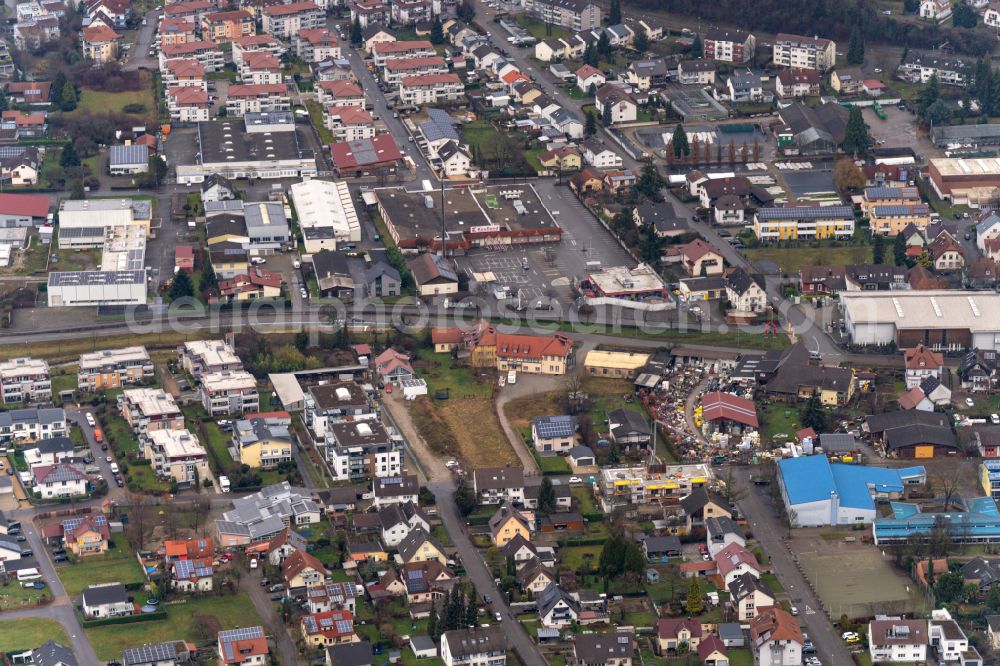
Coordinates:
(253,563)
(451,463)
(90,420)
(850,636)
(995,419)
(498,616)
(969,402)
(575,479)
(108,459)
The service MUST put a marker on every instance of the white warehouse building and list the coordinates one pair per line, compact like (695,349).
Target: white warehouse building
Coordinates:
(93,288)
(326,213)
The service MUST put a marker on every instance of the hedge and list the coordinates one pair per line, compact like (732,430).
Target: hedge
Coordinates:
(126,619)
(593,541)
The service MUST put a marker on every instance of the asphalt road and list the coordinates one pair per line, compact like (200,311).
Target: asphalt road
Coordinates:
(762,515)
(250,583)
(482,580)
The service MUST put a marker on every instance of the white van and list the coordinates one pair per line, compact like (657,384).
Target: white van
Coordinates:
(114,468)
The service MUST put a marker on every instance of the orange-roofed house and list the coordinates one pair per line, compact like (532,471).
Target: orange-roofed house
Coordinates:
(701,259)
(184,259)
(533,354)
(921,363)
(431,88)
(189,549)
(226,26)
(184,72)
(329,628)
(340,93)
(397,68)
(349,123)
(243,647)
(447,340)
(587,76)
(393,366)
(176,31)
(735,560)
(301,570)
(100,44)
(260,68)
(86,536)
(776,637)
(188,104)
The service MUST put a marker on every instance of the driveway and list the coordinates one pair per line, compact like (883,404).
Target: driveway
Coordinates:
(250,583)
(767,527)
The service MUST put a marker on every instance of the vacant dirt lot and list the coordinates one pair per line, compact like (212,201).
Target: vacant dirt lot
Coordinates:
(481,441)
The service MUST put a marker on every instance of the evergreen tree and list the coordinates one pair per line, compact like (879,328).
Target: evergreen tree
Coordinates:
(68,99)
(856,49)
(209,280)
(606,115)
(984,85)
(878,249)
(69,159)
(453,610)
(357,36)
(182,287)
(814,417)
(590,56)
(604,46)
(590,126)
(432,623)
(697,49)
(680,142)
(615,12)
(856,139)
(929,94)
(650,244)
(471,610)
(546,496)
(695,604)
(437,31)
(4,102)
(650,183)
(899,250)
(464,498)
(641,42)
(56,89)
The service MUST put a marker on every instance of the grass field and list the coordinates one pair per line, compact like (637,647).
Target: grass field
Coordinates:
(443,373)
(117,566)
(94,101)
(29,633)
(538,30)
(791,259)
(70,349)
(482,135)
(316,116)
(573,557)
(777,419)
(481,441)
(13,596)
(182,623)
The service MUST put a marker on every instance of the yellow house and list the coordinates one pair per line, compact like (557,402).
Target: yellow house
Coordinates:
(262,443)
(620,365)
(419,546)
(300,569)
(532,354)
(891,219)
(100,44)
(888,196)
(228,263)
(566,159)
(506,524)
(367,552)
(87,537)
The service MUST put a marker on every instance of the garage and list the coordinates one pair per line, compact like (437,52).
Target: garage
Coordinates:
(920,441)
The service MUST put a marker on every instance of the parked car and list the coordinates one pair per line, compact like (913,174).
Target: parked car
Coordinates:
(60,558)
(90,420)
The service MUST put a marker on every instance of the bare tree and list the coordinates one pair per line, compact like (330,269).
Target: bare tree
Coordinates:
(140,519)
(946,480)
(200,506)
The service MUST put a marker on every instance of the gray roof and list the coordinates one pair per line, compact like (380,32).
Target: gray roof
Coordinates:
(879,423)
(625,421)
(97,595)
(32,415)
(351,654)
(722,525)
(132,155)
(662,544)
(439,126)
(730,631)
(747,583)
(599,648)
(581,451)
(51,653)
(463,643)
(412,541)
(910,435)
(54,445)
(498,478)
(380,268)
(555,426)
(551,596)
(838,441)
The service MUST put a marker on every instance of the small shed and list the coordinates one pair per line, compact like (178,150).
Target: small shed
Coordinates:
(423,647)
(731,634)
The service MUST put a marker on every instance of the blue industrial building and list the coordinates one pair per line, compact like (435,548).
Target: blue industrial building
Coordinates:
(979,523)
(817,492)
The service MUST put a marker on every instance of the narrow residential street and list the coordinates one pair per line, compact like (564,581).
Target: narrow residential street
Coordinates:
(765,523)
(250,583)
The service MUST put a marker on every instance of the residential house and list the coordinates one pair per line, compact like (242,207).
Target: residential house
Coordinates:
(672,633)
(599,156)
(262,443)
(696,72)
(242,647)
(735,559)
(300,570)
(920,363)
(61,480)
(977,370)
(702,504)
(896,640)
(628,429)
(745,292)
(493,485)
(804,52)
(397,520)
(85,536)
(395,490)
(746,87)
(420,546)
(776,637)
(556,607)
(474,646)
(721,532)
(327,629)
(106,600)
(623,106)
(935,10)
(507,523)
(748,594)
(797,82)
(433,275)
(192,575)
(534,577)
(605,649)
(587,76)
(382,280)
(553,434)
(727,45)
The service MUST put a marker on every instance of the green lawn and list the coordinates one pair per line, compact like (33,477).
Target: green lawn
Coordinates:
(584,497)
(539,30)
(777,419)
(29,633)
(118,432)
(117,566)
(13,596)
(481,134)
(142,478)
(64,382)
(94,101)
(553,464)
(791,259)
(743,657)
(182,623)
(441,534)
(573,557)
(442,372)
(772,582)
(214,437)
(316,116)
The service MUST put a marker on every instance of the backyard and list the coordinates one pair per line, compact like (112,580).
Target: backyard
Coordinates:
(96,101)
(116,566)
(185,621)
(791,259)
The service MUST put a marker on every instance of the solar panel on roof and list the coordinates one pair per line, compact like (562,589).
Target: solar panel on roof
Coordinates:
(345,626)
(806,212)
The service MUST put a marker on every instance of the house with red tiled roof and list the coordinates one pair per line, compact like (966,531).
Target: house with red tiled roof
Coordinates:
(188,549)
(532,354)
(701,259)
(329,628)
(776,637)
(188,104)
(184,72)
(28,92)
(23,210)
(176,30)
(587,76)
(349,123)
(735,560)
(301,570)
(100,44)
(393,365)
(921,362)
(242,647)
(447,339)
(365,156)
(713,652)
(257,98)
(85,536)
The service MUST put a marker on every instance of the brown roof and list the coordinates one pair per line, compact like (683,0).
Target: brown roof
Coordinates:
(670,628)
(911,398)
(898,632)
(922,357)
(297,562)
(774,624)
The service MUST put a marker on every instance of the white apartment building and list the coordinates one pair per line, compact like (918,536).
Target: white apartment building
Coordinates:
(285,21)
(430,88)
(349,123)
(806,52)
(229,392)
(113,368)
(177,455)
(897,640)
(200,357)
(25,380)
(358,450)
(28,425)
(257,98)
(147,410)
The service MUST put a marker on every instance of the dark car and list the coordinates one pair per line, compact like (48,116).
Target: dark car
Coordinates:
(120,483)
(27,553)
(487,598)
(20,538)
(58,552)
(60,558)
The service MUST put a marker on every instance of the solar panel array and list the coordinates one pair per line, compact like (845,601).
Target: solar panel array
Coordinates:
(555,426)
(185,569)
(806,213)
(151,653)
(72,523)
(228,637)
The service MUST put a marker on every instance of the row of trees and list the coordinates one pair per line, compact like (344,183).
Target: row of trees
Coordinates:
(694,152)
(457,610)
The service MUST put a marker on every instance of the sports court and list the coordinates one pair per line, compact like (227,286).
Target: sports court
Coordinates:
(856,579)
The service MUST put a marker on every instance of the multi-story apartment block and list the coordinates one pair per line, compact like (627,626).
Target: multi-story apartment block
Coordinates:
(575,15)
(383,52)
(316,44)
(804,223)
(431,88)
(479,646)
(207,53)
(395,70)
(200,357)
(349,123)
(147,410)
(100,44)
(363,449)
(25,380)
(261,68)
(369,13)
(285,21)
(29,425)
(257,99)
(919,67)
(176,31)
(340,93)
(624,486)
(408,12)
(729,45)
(891,219)
(333,403)
(253,43)
(113,368)
(227,26)
(187,104)
(177,455)
(184,72)
(229,392)
(805,52)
